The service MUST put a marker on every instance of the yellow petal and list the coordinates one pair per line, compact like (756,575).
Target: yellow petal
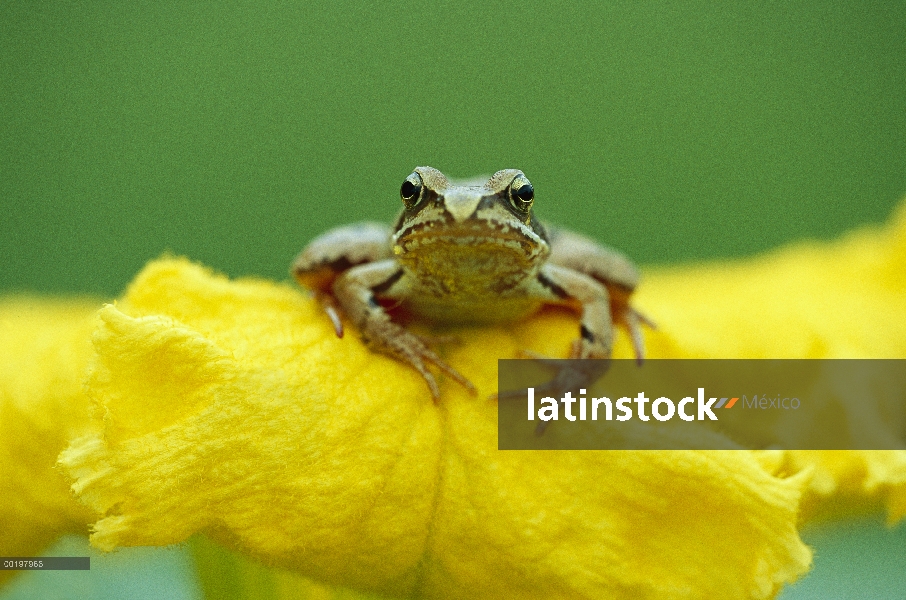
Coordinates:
(845,299)
(847,483)
(231,407)
(44,349)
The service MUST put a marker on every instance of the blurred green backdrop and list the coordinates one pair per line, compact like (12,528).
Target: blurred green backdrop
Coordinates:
(234,132)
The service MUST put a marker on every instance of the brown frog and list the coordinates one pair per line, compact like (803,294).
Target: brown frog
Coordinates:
(467,252)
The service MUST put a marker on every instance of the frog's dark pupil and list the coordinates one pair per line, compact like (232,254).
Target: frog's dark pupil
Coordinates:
(408,190)
(525,193)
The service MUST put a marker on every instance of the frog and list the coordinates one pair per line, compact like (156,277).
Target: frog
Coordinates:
(467,252)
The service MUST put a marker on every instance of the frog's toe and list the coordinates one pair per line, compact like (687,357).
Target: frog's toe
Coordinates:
(454,374)
(335,320)
(644,320)
(419,354)
(429,379)
(576,350)
(633,321)
(539,358)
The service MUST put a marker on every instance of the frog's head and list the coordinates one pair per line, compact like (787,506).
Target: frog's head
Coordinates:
(486,216)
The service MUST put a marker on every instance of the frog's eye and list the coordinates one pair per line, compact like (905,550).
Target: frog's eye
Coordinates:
(411,190)
(521,194)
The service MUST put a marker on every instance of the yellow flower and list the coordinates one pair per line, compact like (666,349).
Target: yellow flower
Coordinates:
(812,300)
(44,350)
(230,408)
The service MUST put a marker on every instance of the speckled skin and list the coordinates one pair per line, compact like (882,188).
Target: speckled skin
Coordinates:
(470,252)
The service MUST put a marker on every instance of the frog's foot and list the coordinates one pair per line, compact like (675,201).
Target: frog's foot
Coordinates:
(390,338)
(570,376)
(633,321)
(417,357)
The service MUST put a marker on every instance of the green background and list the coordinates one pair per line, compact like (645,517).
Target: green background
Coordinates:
(235,132)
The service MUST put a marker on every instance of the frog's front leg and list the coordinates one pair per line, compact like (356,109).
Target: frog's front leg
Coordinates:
(567,286)
(561,285)
(328,255)
(609,267)
(357,291)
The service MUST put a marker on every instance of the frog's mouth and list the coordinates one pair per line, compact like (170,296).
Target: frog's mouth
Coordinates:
(473,236)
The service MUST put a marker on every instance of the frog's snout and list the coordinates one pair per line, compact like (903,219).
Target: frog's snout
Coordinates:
(462,203)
